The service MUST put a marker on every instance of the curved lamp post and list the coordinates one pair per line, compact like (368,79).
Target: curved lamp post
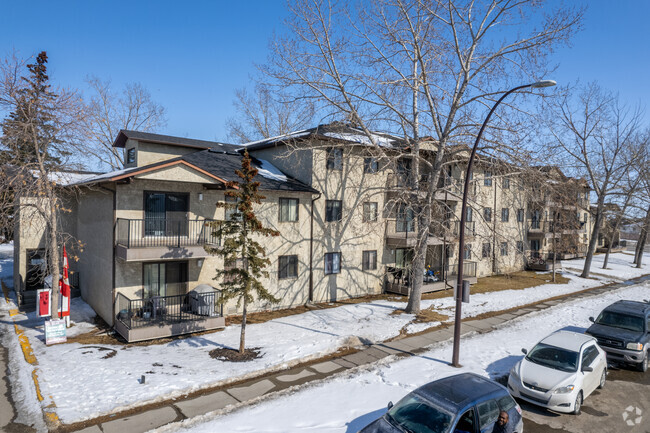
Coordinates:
(463,211)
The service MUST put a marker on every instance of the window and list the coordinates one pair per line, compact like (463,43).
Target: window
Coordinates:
(332,263)
(287,267)
(403,257)
(165,214)
(586,217)
(333,210)
(589,355)
(467,252)
(487,213)
(229,212)
(466,423)
(334,158)
(504,248)
(369,260)
(405,219)
(469,215)
(487,179)
(485,252)
(488,412)
(130,156)
(369,212)
(506,183)
(505,215)
(288,210)
(164,279)
(370,165)
(520,246)
(520,215)
(535,245)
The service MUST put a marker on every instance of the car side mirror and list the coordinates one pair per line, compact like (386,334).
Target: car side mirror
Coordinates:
(524,351)
(592,320)
(389,405)
(587,369)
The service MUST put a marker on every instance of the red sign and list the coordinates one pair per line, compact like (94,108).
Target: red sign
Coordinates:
(43,302)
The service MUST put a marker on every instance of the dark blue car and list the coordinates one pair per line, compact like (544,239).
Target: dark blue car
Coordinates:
(464,403)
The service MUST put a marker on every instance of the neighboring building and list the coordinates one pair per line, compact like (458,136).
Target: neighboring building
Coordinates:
(344,230)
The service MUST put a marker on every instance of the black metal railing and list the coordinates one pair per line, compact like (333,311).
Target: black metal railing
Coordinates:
(160,232)
(161,310)
(432,274)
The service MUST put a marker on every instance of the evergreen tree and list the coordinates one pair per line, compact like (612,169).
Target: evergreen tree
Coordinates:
(244,258)
(30,131)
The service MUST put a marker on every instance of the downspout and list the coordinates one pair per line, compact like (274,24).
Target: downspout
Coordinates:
(311,251)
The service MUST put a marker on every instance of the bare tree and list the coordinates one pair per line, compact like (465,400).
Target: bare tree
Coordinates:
(263,114)
(107,112)
(40,137)
(593,130)
(424,69)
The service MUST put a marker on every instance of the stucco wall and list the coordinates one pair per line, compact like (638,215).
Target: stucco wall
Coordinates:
(95,232)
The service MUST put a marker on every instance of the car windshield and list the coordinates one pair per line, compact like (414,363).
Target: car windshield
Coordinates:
(621,320)
(554,357)
(416,415)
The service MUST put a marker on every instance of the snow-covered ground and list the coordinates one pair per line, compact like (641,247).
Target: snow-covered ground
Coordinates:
(351,400)
(85,381)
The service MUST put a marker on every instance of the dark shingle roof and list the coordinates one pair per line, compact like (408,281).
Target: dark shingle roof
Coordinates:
(125,134)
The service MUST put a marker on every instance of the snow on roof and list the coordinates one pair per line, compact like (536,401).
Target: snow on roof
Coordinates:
(65,178)
(361,138)
(102,176)
(294,134)
(269,171)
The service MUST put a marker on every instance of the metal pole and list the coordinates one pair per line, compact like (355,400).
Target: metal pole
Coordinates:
(461,236)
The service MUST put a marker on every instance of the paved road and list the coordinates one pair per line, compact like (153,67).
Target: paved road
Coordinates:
(603,410)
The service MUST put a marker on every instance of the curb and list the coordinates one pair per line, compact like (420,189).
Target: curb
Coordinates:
(49,414)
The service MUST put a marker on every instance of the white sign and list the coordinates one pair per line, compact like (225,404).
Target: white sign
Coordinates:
(55,331)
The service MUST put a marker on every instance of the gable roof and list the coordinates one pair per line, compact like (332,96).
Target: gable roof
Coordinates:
(169,140)
(332,131)
(218,165)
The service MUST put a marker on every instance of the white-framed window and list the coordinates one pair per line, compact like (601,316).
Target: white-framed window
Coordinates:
(505,215)
(288,210)
(287,267)
(369,212)
(332,263)
(130,156)
(487,213)
(369,261)
(506,183)
(520,215)
(467,254)
(487,179)
(504,248)
(486,251)
(520,246)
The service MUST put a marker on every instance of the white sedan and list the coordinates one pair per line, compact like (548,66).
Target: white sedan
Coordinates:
(559,372)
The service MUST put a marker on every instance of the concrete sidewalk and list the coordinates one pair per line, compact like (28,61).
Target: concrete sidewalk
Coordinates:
(245,392)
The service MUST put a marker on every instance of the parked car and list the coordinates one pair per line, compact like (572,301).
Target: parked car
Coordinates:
(465,402)
(623,331)
(559,372)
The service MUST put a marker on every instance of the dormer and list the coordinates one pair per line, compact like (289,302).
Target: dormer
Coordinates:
(144,148)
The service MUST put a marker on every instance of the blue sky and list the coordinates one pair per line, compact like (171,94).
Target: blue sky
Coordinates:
(192,55)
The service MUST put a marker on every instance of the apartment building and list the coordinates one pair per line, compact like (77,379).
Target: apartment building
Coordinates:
(338,203)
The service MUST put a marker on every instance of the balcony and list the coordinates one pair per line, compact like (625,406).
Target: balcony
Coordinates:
(165,316)
(160,239)
(398,279)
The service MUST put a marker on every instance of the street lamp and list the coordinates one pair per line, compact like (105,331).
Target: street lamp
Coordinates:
(463,211)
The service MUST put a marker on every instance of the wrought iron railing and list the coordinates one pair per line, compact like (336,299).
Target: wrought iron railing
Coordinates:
(432,274)
(161,310)
(160,232)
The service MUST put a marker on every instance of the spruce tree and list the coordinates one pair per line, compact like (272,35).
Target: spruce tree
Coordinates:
(245,259)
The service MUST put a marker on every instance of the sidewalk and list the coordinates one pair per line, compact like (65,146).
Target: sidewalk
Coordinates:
(246,392)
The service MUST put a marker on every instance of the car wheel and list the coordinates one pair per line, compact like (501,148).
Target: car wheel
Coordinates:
(578,404)
(603,379)
(643,366)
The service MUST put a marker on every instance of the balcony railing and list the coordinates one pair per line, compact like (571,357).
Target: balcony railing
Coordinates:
(157,232)
(164,310)
(432,274)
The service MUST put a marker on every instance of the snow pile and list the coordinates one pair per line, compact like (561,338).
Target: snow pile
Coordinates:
(379,140)
(350,401)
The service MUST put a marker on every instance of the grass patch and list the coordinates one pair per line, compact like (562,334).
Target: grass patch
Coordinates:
(515,281)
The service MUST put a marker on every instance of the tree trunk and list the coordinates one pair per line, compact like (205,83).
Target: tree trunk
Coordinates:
(638,259)
(594,240)
(609,249)
(242,336)
(54,258)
